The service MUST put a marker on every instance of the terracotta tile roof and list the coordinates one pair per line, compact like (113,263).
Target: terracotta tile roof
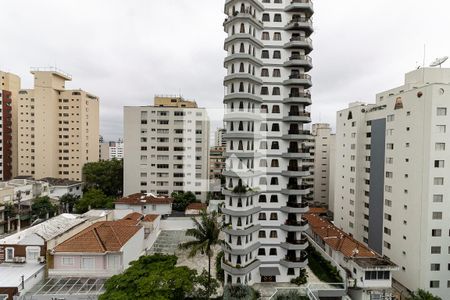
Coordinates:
(101,237)
(338,239)
(142,199)
(196,206)
(135,216)
(150,218)
(317,210)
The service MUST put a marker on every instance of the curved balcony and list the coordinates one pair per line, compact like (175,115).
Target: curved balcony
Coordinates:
(242,17)
(299,79)
(303,61)
(244,251)
(242,57)
(241,154)
(294,262)
(295,190)
(243,37)
(294,244)
(297,135)
(242,232)
(241,212)
(242,135)
(241,77)
(241,270)
(256,4)
(298,116)
(295,226)
(241,116)
(293,171)
(240,192)
(300,23)
(244,174)
(296,153)
(300,6)
(301,97)
(294,207)
(242,96)
(299,42)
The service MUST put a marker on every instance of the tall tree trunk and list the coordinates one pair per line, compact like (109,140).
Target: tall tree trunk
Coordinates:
(209,275)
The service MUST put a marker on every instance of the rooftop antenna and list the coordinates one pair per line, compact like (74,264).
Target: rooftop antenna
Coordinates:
(439,62)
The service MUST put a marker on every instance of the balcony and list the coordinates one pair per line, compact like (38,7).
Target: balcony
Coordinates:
(296,131)
(297,60)
(239,96)
(242,57)
(300,6)
(295,208)
(300,23)
(299,79)
(238,269)
(297,153)
(294,262)
(299,97)
(299,42)
(294,244)
(301,135)
(242,77)
(243,16)
(295,226)
(241,116)
(295,171)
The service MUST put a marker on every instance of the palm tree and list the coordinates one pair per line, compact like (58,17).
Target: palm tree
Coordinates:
(423,295)
(206,234)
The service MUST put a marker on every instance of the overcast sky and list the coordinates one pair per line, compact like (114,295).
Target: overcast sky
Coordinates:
(125,52)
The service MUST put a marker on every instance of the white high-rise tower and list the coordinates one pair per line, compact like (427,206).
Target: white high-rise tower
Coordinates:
(266,100)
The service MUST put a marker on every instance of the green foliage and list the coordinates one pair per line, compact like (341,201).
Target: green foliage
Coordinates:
(220,273)
(322,268)
(181,200)
(240,189)
(94,199)
(291,295)
(68,202)
(151,277)
(105,175)
(10,210)
(206,234)
(301,279)
(423,295)
(239,292)
(205,286)
(42,206)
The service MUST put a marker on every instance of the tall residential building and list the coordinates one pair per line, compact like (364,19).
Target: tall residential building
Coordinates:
(392,186)
(167,146)
(9,90)
(58,129)
(216,162)
(218,137)
(323,144)
(266,96)
(111,150)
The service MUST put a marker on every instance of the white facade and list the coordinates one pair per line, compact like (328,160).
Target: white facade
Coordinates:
(218,137)
(323,146)
(266,100)
(145,209)
(111,150)
(391,180)
(167,150)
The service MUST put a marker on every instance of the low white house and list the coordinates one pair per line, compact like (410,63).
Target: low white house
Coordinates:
(60,187)
(369,275)
(146,204)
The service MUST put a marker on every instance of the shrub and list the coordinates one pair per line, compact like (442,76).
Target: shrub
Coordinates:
(220,274)
(291,295)
(301,279)
(322,268)
(239,292)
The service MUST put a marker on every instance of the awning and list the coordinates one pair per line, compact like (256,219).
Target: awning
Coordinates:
(269,271)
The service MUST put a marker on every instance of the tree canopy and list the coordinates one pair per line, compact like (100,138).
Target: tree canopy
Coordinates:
(423,295)
(155,277)
(68,202)
(181,200)
(94,199)
(42,207)
(105,175)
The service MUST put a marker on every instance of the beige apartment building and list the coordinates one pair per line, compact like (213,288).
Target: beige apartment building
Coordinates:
(58,129)
(167,146)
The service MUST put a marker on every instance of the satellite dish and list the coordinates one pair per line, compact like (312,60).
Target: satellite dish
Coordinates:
(439,61)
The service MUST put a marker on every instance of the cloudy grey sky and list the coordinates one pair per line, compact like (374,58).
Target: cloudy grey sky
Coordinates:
(127,51)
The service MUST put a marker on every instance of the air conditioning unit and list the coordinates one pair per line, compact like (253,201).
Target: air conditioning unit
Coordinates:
(41,259)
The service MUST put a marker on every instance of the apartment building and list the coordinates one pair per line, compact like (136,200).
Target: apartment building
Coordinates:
(9,90)
(391,183)
(266,99)
(58,129)
(218,137)
(167,146)
(323,145)
(111,150)
(216,162)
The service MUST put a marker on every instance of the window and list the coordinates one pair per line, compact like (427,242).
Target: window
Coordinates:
(438,163)
(439,146)
(390,118)
(438,198)
(390,146)
(265,54)
(434,284)
(9,254)
(277,54)
(87,263)
(266,18)
(273,251)
(277,18)
(276,73)
(264,72)
(438,181)
(261,251)
(437,215)
(262,216)
(290,271)
(262,234)
(277,36)
(435,250)
(441,111)
(273,234)
(435,267)
(273,216)
(265,36)
(441,128)
(67,261)
(436,232)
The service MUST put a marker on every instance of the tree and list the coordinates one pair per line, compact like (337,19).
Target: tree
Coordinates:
(68,202)
(423,295)
(206,234)
(151,277)
(43,208)
(181,200)
(94,199)
(10,213)
(105,175)
(205,286)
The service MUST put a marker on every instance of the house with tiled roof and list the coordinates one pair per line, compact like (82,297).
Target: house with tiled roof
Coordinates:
(103,249)
(195,208)
(368,273)
(146,204)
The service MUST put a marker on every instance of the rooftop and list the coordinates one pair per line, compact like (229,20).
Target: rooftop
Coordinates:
(60,182)
(142,199)
(48,230)
(11,274)
(150,218)
(197,206)
(374,262)
(100,237)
